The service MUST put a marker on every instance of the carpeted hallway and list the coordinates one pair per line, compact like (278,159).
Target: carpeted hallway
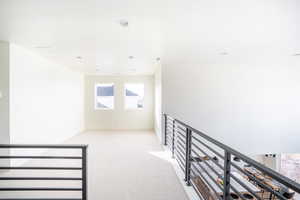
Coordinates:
(124,165)
(121,166)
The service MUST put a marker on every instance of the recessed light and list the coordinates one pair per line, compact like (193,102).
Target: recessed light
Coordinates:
(224,53)
(124,23)
(98,68)
(42,47)
(79,59)
(130,57)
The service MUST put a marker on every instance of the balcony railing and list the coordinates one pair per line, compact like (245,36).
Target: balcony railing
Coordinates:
(217,171)
(47,166)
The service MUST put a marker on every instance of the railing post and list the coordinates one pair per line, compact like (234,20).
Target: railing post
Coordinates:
(226,181)
(188,151)
(173,139)
(84,174)
(165,138)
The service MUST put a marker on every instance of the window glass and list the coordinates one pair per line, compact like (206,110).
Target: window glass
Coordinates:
(104,96)
(134,96)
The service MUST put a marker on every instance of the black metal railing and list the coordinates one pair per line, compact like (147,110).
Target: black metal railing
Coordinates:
(217,171)
(43,165)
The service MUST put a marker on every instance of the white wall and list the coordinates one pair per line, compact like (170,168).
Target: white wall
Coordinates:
(4,92)
(119,118)
(249,104)
(46,104)
(4,99)
(158,103)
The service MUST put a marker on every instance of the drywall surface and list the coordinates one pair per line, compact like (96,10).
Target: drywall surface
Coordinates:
(46,104)
(158,103)
(4,92)
(249,104)
(119,118)
(4,99)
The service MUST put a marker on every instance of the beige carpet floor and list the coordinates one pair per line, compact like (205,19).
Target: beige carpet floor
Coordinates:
(122,165)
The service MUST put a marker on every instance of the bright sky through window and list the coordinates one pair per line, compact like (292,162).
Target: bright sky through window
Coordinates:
(134,96)
(104,96)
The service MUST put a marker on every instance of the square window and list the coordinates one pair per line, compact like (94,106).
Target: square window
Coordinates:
(104,96)
(134,96)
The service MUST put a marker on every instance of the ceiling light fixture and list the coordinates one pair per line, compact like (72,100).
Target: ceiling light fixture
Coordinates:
(158,59)
(124,23)
(224,53)
(98,68)
(130,57)
(42,47)
(79,59)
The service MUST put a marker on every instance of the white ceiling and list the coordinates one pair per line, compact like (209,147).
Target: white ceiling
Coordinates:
(173,30)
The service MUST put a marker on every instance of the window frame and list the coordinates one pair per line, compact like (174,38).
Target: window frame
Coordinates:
(124,91)
(95,96)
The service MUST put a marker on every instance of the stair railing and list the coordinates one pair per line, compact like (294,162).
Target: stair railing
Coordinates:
(216,171)
(82,169)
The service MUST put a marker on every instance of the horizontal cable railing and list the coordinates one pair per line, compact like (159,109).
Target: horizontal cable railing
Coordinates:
(217,171)
(48,167)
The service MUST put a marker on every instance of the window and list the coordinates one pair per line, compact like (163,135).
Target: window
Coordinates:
(134,96)
(104,96)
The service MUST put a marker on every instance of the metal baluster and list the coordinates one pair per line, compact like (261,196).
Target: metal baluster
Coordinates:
(227,165)
(173,139)
(84,174)
(165,142)
(188,151)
